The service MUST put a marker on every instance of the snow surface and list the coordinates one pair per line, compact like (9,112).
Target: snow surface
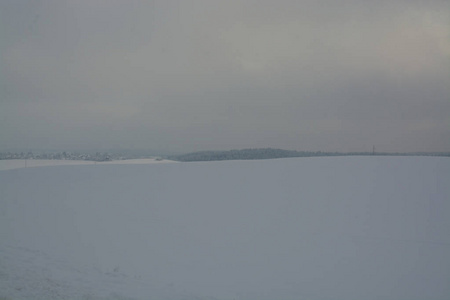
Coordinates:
(299,228)
(9,164)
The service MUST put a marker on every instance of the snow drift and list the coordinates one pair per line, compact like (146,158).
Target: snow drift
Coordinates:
(300,228)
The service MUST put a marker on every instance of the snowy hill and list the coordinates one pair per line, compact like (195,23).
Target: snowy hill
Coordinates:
(297,228)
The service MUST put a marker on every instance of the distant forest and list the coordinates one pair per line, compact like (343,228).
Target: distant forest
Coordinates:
(268,153)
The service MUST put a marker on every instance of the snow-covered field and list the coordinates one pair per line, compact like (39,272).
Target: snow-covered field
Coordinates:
(301,228)
(10,164)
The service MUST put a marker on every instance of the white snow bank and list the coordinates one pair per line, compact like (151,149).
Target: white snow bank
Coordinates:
(9,164)
(301,228)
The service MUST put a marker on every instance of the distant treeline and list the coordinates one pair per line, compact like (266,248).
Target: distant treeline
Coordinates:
(268,153)
(98,156)
(245,154)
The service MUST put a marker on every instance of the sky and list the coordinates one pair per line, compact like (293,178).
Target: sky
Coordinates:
(181,76)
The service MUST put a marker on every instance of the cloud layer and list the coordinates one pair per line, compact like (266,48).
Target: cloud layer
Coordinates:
(192,75)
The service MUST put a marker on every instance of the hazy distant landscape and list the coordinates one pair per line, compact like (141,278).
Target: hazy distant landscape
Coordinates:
(224,150)
(243,154)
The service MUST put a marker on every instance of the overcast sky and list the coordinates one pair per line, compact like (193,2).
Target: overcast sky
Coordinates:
(181,76)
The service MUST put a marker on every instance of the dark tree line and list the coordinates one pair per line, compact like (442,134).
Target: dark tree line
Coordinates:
(268,153)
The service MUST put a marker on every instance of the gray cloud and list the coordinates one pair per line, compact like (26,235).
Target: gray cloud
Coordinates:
(191,75)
